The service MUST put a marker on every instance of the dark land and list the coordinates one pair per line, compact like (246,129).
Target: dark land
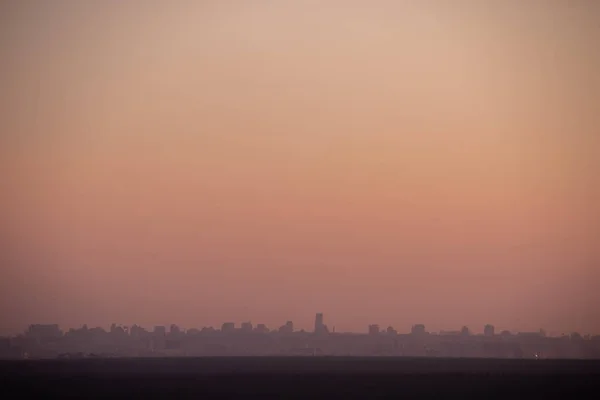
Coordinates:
(319,377)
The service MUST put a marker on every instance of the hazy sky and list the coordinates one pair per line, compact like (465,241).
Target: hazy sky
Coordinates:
(390,162)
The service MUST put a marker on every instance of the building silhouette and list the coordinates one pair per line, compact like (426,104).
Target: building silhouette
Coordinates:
(374,329)
(48,341)
(319,323)
(287,328)
(247,327)
(418,330)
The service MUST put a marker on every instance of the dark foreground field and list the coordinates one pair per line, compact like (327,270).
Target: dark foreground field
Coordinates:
(300,377)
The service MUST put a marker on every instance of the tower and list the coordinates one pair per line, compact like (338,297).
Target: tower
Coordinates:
(319,322)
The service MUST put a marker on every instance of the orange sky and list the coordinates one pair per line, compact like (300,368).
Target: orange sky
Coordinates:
(390,162)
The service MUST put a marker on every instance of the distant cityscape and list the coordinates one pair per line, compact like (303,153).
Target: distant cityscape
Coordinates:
(49,341)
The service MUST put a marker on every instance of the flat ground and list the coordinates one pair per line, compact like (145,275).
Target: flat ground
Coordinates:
(302,376)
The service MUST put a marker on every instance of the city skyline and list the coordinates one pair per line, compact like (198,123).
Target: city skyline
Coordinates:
(247,339)
(319,327)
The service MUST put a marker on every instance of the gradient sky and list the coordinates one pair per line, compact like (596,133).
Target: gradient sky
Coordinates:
(390,162)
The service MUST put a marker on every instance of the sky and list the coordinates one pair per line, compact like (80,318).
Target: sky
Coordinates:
(389,162)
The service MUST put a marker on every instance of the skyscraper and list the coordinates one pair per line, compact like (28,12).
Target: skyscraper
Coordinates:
(488,330)
(319,323)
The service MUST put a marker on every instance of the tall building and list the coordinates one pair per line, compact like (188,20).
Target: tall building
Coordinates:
(319,323)
(158,341)
(247,327)
(418,329)
(228,327)
(488,330)
(374,329)
(44,331)
(174,330)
